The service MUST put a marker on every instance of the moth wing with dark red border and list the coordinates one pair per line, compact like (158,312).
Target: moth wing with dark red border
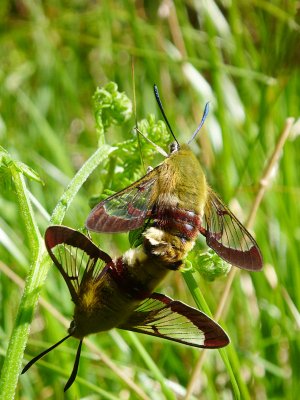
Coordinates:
(165,318)
(77,258)
(228,237)
(125,210)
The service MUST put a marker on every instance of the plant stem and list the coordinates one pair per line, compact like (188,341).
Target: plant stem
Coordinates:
(263,184)
(64,202)
(39,266)
(14,355)
(201,303)
(152,366)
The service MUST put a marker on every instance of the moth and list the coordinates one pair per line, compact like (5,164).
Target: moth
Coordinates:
(119,294)
(175,200)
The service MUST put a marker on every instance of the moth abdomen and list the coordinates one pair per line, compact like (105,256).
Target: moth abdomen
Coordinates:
(182,223)
(166,248)
(126,278)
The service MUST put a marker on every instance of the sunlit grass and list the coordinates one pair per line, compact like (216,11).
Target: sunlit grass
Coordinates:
(244,60)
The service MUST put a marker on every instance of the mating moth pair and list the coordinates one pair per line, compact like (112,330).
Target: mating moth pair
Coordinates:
(173,203)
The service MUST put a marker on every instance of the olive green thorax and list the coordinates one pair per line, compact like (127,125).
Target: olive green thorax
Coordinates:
(181,181)
(102,306)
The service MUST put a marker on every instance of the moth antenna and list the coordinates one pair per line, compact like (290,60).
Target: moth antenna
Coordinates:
(75,368)
(134,110)
(158,148)
(35,359)
(205,113)
(156,94)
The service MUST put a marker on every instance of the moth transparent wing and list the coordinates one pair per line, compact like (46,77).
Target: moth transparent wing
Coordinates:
(228,237)
(125,210)
(163,317)
(77,258)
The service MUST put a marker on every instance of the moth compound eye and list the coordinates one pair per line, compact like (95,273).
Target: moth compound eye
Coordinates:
(173,147)
(72,327)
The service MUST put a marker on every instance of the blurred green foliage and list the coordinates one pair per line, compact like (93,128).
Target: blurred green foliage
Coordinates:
(111,108)
(242,56)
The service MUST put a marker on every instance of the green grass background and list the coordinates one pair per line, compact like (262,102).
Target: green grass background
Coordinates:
(243,57)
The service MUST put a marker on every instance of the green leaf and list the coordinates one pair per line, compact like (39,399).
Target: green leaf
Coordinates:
(29,172)
(111,107)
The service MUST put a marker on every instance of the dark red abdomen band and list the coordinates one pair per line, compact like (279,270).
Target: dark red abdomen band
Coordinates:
(181,223)
(133,288)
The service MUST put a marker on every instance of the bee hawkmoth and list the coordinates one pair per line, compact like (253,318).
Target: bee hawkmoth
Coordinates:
(176,201)
(119,294)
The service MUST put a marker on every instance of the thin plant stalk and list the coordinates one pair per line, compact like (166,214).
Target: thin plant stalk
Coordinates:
(202,304)
(152,366)
(39,266)
(263,184)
